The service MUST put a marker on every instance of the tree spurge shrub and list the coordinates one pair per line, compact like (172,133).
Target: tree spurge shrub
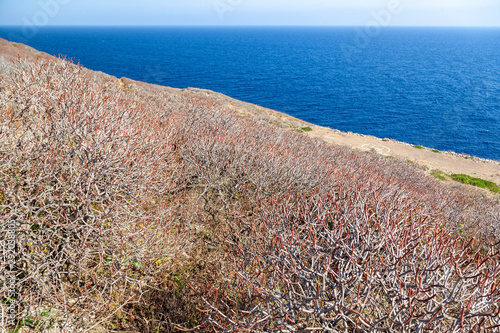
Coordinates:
(172,213)
(85,178)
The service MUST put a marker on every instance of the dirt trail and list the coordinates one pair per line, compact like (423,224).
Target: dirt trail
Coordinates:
(442,161)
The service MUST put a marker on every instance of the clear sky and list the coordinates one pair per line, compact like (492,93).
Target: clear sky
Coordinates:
(250,12)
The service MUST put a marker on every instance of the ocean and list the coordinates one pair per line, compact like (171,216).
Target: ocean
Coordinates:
(436,87)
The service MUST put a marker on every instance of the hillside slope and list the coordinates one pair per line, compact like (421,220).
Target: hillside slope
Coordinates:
(136,207)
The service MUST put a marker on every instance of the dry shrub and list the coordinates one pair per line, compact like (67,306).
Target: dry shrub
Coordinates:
(324,262)
(321,238)
(327,239)
(171,211)
(87,177)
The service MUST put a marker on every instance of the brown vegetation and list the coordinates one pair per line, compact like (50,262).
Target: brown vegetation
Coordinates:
(167,212)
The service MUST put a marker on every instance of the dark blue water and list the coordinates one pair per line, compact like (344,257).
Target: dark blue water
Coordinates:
(437,87)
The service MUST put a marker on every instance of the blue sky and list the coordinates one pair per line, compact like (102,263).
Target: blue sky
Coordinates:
(250,12)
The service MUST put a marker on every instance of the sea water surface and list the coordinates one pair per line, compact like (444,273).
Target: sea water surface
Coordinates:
(436,87)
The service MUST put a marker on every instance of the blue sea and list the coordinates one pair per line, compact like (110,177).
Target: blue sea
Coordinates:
(436,87)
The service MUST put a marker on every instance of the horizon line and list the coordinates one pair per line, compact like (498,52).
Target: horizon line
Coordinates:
(248,25)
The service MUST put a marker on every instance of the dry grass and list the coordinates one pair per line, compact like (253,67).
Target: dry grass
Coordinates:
(164,212)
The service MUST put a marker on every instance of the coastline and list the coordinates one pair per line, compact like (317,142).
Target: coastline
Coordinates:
(427,158)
